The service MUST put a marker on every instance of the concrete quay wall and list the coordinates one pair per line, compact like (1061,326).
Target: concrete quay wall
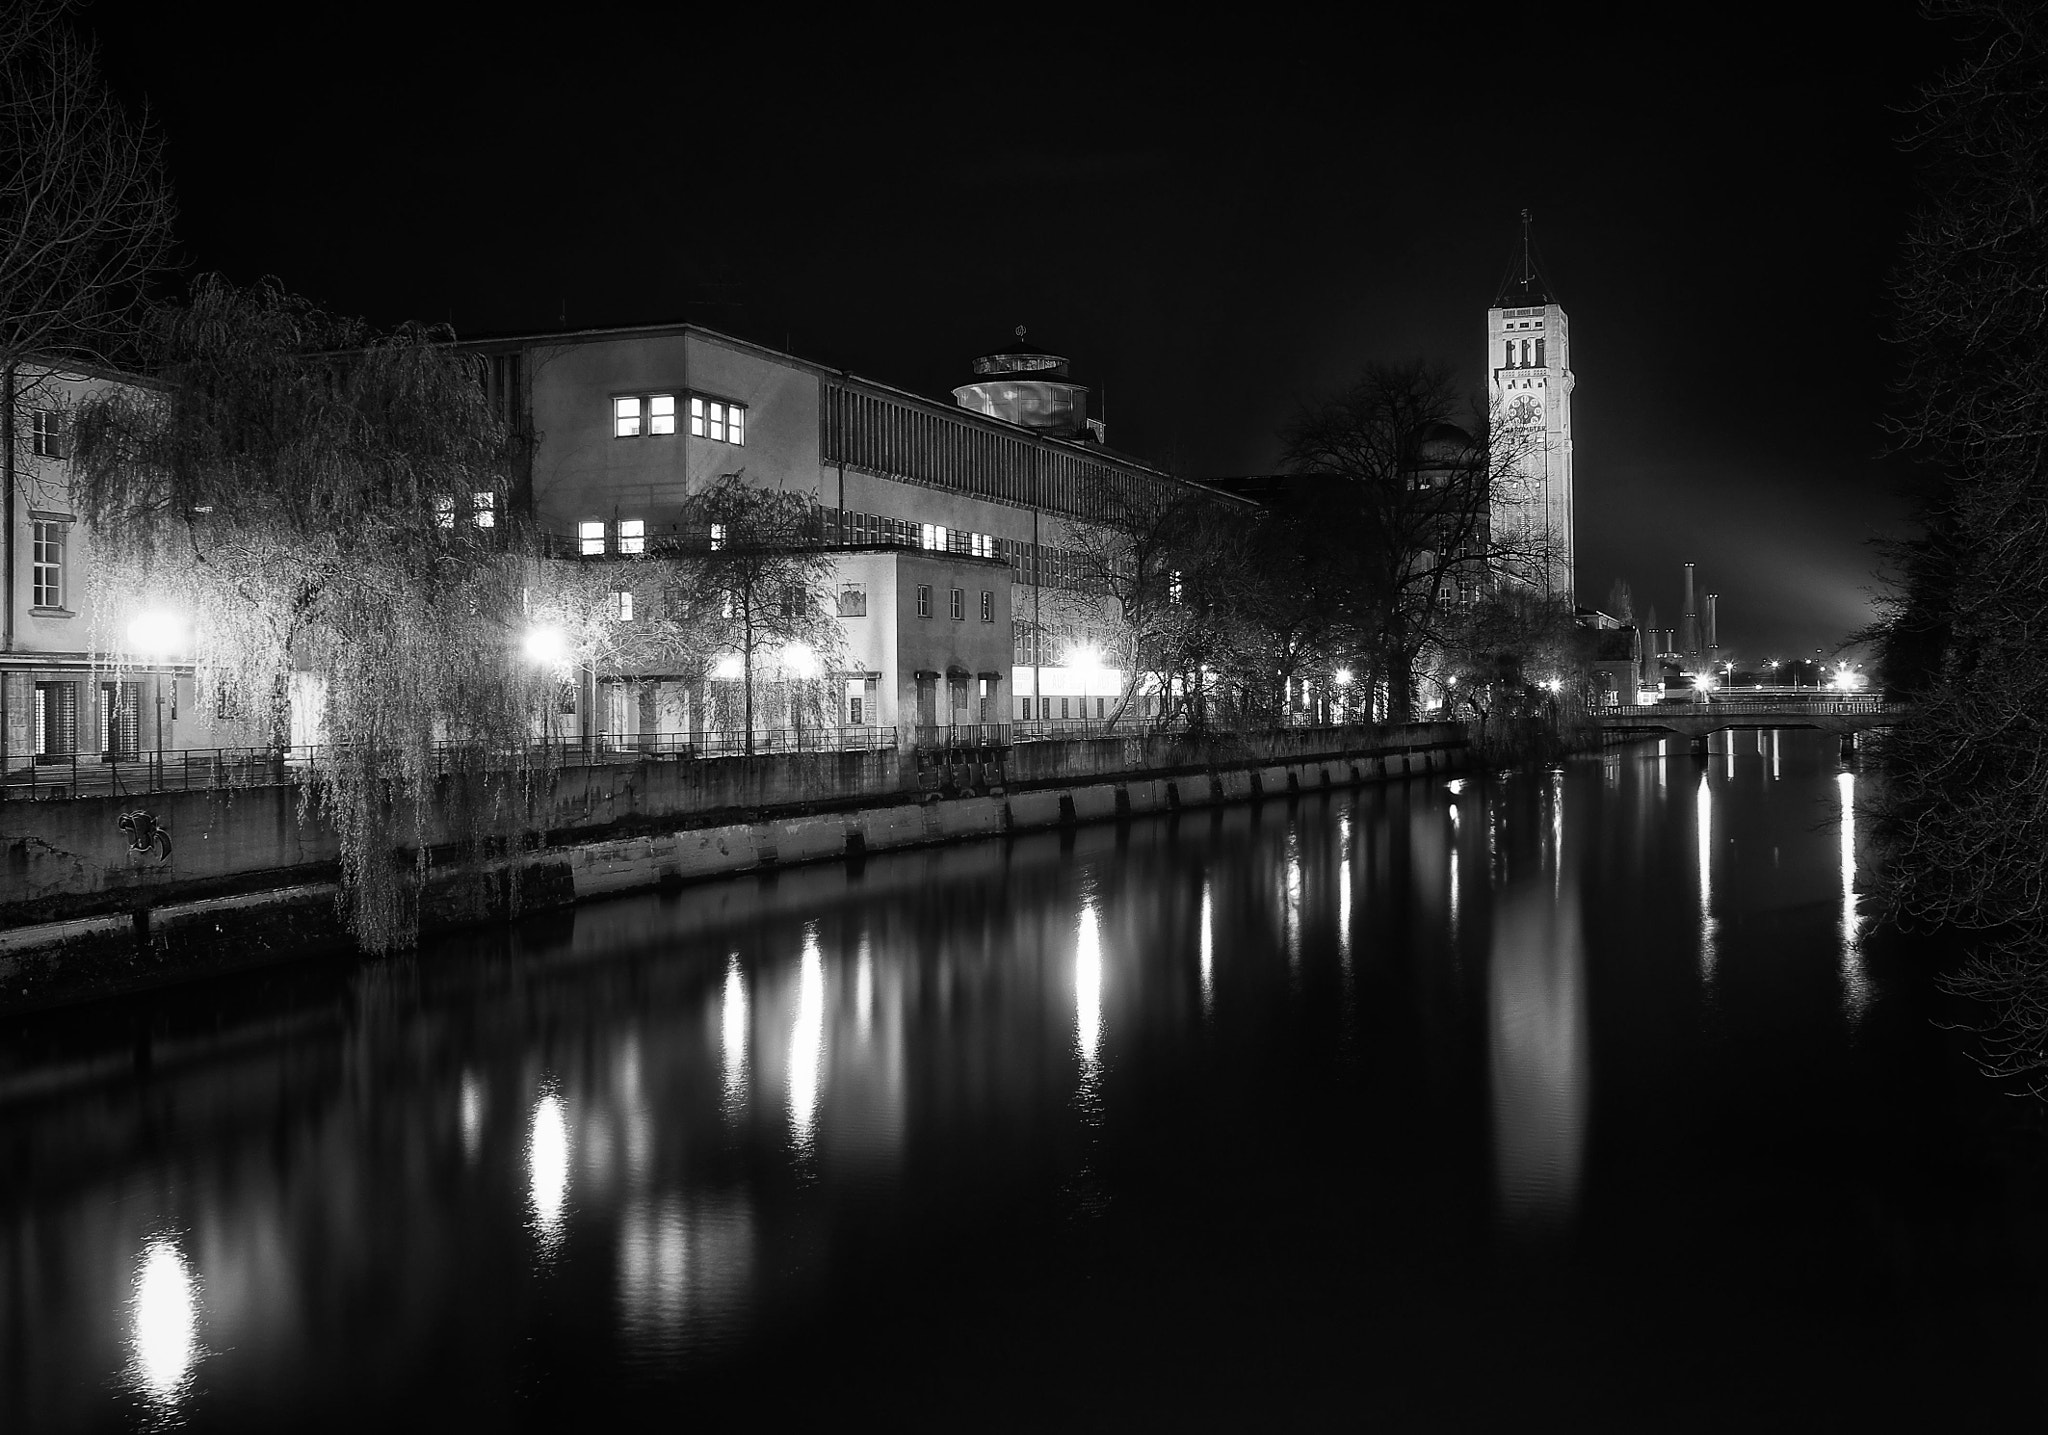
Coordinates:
(160,934)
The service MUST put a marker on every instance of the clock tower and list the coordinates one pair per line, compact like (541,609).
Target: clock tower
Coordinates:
(1529,351)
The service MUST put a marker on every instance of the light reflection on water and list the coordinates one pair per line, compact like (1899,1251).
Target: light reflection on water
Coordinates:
(1855,984)
(165,1332)
(1015,1009)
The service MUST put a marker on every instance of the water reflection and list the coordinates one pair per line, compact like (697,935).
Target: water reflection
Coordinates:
(1855,982)
(472,1116)
(691,1186)
(164,1338)
(732,1030)
(1540,1053)
(1703,840)
(1088,994)
(547,1163)
(807,1045)
(1208,948)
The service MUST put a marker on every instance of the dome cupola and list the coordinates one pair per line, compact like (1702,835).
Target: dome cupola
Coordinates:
(1024,385)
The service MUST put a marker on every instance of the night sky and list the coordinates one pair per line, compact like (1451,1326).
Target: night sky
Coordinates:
(1213,220)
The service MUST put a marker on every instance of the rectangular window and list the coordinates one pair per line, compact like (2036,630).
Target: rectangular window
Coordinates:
(1099,708)
(1508,359)
(56,719)
(48,562)
(1525,353)
(661,413)
(622,605)
(632,535)
(853,711)
(1539,353)
(120,719)
(1064,702)
(982,545)
(444,513)
(959,605)
(590,538)
(853,600)
(719,420)
(924,600)
(717,536)
(484,509)
(48,431)
(988,606)
(565,698)
(626,418)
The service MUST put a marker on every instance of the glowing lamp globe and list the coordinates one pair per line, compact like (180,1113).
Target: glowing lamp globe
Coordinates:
(547,645)
(157,633)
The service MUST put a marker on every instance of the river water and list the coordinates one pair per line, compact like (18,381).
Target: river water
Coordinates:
(1568,1096)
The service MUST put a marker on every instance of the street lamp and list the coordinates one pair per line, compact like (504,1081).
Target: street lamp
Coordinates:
(158,634)
(800,661)
(1342,679)
(1085,660)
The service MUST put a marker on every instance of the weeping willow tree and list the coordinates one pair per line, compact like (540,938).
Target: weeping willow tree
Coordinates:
(325,507)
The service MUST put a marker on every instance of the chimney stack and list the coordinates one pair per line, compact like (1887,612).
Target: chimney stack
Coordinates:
(1713,640)
(1689,626)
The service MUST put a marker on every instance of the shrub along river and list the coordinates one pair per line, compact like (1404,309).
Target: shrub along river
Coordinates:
(1578,1095)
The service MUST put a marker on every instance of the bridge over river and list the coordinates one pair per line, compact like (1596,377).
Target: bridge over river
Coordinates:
(1846,715)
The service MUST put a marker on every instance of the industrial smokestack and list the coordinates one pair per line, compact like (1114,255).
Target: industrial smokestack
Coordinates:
(1689,625)
(1713,641)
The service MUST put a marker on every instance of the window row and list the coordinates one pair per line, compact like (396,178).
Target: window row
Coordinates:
(56,719)
(959,603)
(1529,359)
(1046,566)
(635,415)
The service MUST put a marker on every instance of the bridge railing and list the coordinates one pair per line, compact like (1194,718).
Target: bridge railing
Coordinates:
(1716,706)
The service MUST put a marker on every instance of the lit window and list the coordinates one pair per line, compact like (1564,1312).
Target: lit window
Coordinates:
(626,418)
(444,513)
(924,600)
(49,434)
(988,606)
(485,508)
(591,537)
(661,413)
(633,534)
(717,536)
(49,565)
(716,419)
(622,605)
(1173,587)
(959,605)
(982,545)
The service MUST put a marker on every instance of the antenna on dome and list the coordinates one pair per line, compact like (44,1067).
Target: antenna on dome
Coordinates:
(1528,260)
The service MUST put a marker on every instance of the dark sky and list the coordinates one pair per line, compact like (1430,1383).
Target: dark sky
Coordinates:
(1213,220)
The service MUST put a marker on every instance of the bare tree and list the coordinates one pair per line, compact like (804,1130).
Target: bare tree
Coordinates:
(1401,510)
(1964,808)
(1171,576)
(750,582)
(85,209)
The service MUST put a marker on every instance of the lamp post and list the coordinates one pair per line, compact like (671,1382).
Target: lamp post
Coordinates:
(799,660)
(1085,660)
(158,635)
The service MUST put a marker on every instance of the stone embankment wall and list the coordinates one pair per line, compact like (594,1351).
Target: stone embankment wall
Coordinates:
(250,883)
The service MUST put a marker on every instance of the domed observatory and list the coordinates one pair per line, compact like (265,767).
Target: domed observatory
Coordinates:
(1028,387)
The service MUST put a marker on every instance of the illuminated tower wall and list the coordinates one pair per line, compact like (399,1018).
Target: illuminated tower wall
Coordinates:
(1528,346)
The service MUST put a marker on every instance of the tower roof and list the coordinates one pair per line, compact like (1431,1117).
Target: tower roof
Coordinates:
(1523,284)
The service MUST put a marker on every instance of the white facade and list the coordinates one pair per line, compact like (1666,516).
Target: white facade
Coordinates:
(1529,358)
(628,424)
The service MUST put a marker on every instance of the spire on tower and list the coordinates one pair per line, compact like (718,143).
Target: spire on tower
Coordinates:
(1524,284)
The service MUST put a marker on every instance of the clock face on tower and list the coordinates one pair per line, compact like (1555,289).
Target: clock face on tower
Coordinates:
(1524,411)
